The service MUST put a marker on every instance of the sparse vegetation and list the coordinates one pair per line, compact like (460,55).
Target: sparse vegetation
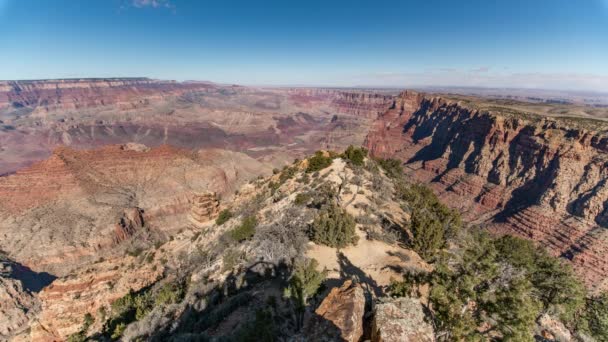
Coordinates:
(302,199)
(223,217)
(594,318)
(432,223)
(303,284)
(355,155)
(318,162)
(245,230)
(490,288)
(392,167)
(334,227)
(170,293)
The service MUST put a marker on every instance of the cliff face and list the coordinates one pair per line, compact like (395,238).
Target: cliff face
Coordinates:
(357,103)
(82,93)
(540,178)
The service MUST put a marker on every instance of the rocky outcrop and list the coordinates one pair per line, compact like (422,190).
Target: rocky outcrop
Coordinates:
(551,329)
(340,315)
(507,167)
(130,222)
(205,207)
(67,300)
(402,320)
(17,304)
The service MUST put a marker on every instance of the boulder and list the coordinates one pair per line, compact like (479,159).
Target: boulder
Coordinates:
(401,319)
(551,329)
(340,315)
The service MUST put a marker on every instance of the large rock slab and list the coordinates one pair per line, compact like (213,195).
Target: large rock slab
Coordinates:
(340,315)
(402,320)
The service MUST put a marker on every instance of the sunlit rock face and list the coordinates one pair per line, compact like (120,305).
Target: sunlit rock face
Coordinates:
(536,177)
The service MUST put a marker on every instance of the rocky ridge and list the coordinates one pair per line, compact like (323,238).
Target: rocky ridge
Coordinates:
(539,178)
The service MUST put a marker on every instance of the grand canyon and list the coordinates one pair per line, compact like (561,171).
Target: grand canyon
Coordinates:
(114,189)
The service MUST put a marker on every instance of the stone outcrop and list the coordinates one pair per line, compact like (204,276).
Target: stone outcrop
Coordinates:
(205,207)
(540,178)
(551,329)
(131,221)
(401,319)
(67,300)
(17,304)
(340,315)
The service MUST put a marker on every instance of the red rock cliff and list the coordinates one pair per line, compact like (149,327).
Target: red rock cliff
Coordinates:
(540,178)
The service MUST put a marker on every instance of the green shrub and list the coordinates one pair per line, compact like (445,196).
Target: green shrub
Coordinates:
(334,227)
(273,186)
(503,299)
(223,217)
(596,317)
(123,304)
(304,283)
(144,303)
(245,230)
(287,173)
(355,155)
(427,234)
(305,279)
(392,167)
(305,179)
(170,293)
(510,281)
(230,259)
(318,162)
(302,198)
(118,330)
(432,223)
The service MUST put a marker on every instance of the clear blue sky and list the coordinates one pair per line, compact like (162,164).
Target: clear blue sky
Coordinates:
(560,44)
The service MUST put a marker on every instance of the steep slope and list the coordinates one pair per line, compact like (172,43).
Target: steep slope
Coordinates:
(79,205)
(520,173)
(214,264)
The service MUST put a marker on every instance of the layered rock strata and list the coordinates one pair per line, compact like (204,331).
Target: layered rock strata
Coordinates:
(205,207)
(540,178)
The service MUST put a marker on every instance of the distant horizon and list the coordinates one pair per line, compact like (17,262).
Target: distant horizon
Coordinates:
(379,87)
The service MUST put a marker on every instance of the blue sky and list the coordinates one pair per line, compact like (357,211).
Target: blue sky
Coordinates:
(554,44)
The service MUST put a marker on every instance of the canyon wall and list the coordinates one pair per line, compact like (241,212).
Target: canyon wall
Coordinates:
(81,93)
(540,178)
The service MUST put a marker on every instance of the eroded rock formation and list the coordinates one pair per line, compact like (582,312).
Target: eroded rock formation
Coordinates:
(66,301)
(205,207)
(540,178)
(17,304)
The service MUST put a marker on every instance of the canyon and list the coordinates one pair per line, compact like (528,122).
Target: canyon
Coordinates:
(98,173)
(537,177)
